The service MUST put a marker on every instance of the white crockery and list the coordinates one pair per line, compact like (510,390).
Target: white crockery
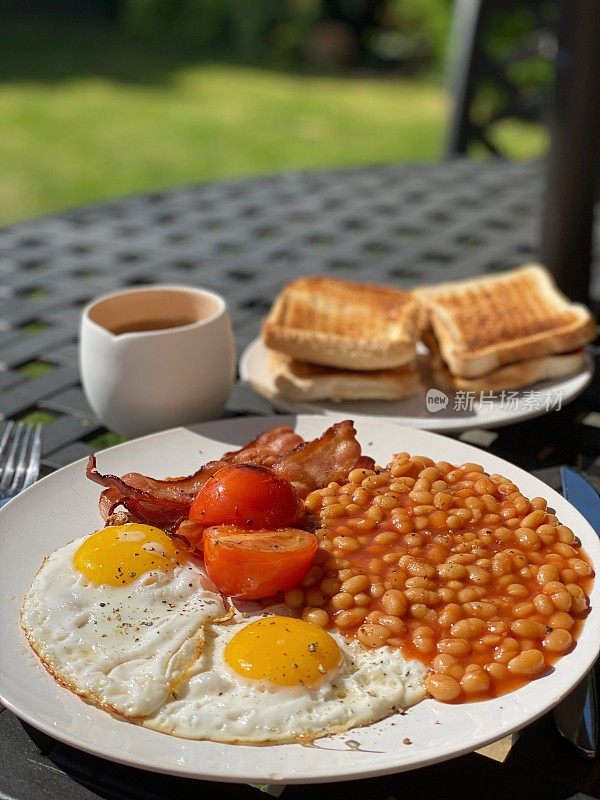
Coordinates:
(143,381)
(64,505)
(413,411)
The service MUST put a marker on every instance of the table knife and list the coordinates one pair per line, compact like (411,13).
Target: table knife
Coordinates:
(576,716)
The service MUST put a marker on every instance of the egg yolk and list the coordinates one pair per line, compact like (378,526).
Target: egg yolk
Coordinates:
(283,651)
(119,554)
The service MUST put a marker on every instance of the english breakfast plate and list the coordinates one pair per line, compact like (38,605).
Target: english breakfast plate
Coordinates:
(431,409)
(64,506)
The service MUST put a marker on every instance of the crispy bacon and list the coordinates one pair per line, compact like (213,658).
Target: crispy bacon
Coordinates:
(329,458)
(308,465)
(166,503)
(267,447)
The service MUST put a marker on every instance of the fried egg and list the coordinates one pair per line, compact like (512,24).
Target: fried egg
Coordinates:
(118,617)
(280,679)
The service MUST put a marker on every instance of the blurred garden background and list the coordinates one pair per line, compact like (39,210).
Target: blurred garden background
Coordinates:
(103,98)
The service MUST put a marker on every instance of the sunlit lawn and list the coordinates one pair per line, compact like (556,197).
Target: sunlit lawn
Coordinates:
(87,114)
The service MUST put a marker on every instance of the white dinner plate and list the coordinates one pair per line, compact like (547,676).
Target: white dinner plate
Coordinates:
(63,506)
(430,409)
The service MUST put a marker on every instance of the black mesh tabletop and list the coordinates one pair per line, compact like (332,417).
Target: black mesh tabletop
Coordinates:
(402,225)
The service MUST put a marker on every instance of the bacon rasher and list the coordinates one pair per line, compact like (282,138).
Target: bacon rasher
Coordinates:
(166,503)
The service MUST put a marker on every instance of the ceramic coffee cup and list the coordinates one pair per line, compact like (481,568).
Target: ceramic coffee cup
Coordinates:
(156,357)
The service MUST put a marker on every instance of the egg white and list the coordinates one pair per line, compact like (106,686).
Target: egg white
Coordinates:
(216,703)
(122,648)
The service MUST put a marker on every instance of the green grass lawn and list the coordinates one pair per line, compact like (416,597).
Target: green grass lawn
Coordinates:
(88,114)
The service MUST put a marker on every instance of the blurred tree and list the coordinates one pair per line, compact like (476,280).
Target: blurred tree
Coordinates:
(324,34)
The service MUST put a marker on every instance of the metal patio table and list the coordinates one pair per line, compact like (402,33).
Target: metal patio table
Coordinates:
(401,225)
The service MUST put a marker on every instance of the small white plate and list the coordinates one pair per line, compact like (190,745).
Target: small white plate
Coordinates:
(462,411)
(64,506)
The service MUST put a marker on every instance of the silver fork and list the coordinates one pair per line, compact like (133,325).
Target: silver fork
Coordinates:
(20,452)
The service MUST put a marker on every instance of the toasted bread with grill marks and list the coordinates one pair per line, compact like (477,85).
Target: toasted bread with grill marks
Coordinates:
(299,381)
(343,324)
(483,324)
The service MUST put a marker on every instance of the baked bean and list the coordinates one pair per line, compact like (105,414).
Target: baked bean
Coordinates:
(528,662)
(396,579)
(362,599)
(546,574)
(480,609)
(421,569)
(358,475)
(449,615)
(524,609)
(564,534)
(316,616)
(561,619)
(506,650)
(475,681)
(357,583)
(388,502)
(497,671)
(579,601)
(363,524)
(557,641)
(446,664)
(454,647)
(442,687)
(418,610)
(527,538)
(342,600)
(395,624)
(374,512)
(521,504)
(346,544)
(564,550)
(561,600)
(454,522)
(497,626)
(528,628)
(373,635)
(350,617)
(400,488)
(538,502)
(581,567)
(430,474)
(394,602)
(535,519)
(478,575)
(421,497)
(543,604)
(467,628)
(423,510)
(517,590)
(469,593)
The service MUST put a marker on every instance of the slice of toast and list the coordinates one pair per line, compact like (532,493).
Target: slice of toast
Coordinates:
(299,381)
(483,324)
(511,376)
(515,376)
(343,324)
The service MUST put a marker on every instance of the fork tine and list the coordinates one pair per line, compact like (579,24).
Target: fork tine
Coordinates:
(5,435)
(22,461)
(9,467)
(33,468)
